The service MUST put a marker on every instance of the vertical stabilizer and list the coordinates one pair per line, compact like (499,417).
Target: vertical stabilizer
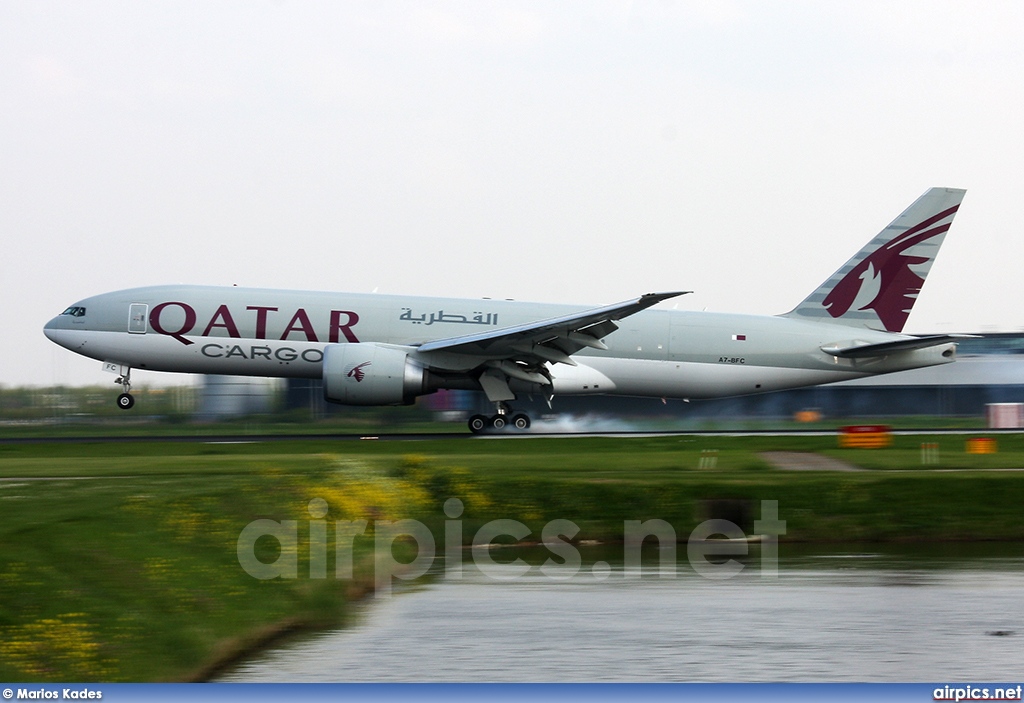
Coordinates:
(878,287)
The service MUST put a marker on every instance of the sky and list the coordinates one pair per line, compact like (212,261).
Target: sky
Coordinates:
(577,152)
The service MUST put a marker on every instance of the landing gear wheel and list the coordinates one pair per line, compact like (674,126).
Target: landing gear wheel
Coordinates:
(477,424)
(125,401)
(521,421)
(498,422)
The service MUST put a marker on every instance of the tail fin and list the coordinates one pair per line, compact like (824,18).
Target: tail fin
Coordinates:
(878,287)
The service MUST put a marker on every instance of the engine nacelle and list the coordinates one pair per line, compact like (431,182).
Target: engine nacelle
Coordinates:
(371,374)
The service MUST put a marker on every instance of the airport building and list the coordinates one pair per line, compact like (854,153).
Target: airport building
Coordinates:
(224,397)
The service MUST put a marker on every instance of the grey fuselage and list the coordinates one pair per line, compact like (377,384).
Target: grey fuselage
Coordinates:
(281,333)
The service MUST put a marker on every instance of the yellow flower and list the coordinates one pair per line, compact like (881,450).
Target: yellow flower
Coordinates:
(55,648)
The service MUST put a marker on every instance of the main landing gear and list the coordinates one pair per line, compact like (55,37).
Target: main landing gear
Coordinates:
(125,401)
(503,420)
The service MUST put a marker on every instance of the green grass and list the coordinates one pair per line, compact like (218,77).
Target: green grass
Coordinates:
(124,567)
(138,580)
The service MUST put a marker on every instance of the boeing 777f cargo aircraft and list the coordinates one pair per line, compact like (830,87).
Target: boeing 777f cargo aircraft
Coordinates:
(389,349)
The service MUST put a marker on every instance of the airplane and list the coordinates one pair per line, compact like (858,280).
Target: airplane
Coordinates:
(371,349)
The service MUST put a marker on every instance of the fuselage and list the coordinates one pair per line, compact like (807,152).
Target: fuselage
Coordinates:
(281,333)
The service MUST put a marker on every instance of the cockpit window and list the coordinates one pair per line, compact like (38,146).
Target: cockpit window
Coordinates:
(75,311)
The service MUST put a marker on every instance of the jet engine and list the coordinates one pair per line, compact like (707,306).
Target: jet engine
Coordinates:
(371,374)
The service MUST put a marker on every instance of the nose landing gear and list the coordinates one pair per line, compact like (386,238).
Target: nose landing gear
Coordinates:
(125,401)
(503,420)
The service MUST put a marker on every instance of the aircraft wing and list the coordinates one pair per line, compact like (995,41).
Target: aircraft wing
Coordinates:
(551,340)
(862,351)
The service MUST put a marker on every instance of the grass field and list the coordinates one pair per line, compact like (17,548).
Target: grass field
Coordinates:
(118,561)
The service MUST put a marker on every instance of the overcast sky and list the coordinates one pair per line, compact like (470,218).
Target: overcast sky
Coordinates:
(581,152)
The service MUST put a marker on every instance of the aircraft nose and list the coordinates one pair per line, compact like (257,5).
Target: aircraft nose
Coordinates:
(59,332)
(51,327)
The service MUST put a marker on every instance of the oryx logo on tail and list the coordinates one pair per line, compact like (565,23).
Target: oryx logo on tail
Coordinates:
(885,281)
(878,287)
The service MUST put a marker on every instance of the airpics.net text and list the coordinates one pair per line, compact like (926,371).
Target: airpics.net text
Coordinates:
(716,539)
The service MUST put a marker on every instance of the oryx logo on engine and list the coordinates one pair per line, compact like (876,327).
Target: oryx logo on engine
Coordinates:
(357,372)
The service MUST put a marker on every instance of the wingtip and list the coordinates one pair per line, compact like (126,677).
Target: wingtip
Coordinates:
(664,296)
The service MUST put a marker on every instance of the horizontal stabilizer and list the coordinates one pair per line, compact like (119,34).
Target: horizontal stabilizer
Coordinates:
(862,351)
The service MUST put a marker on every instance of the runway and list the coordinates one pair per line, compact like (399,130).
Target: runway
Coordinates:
(426,436)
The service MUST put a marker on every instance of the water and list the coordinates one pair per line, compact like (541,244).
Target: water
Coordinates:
(845,615)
